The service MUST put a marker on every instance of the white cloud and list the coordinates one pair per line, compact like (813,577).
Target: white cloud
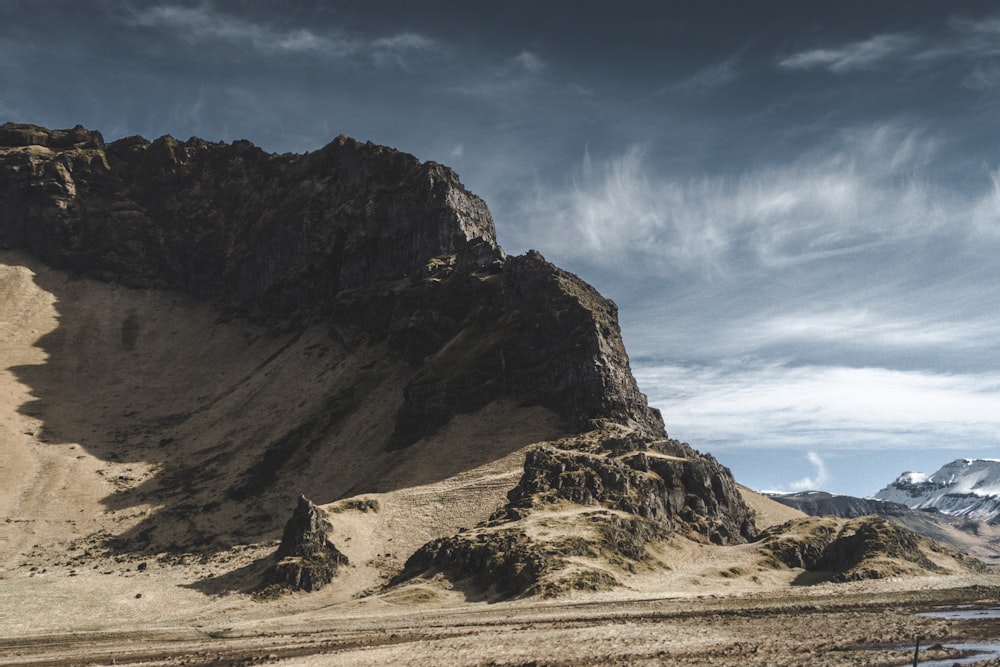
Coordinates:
(761,404)
(861,55)
(203,24)
(972,41)
(867,188)
(820,479)
(866,326)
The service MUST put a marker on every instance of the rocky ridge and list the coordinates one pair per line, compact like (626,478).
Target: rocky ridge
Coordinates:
(627,490)
(965,535)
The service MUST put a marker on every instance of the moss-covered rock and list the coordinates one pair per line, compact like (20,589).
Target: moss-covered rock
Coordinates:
(851,550)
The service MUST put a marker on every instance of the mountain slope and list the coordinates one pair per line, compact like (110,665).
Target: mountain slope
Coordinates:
(821,503)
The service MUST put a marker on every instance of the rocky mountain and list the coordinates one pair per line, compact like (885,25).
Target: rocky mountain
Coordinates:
(967,488)
(336,324)
(862,548)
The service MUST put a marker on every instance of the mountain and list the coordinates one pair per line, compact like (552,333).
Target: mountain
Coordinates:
(967,488)
(223,331)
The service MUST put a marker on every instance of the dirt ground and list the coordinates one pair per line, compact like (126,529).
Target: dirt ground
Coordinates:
(821,627)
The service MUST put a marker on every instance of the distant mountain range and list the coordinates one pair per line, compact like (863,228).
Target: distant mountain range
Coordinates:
(968,488)
(821,503)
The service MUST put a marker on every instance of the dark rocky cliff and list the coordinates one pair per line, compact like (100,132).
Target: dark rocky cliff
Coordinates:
(265,234)
(386,251)
(364,235)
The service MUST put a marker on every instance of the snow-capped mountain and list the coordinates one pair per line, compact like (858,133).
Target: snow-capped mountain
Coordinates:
(967,488)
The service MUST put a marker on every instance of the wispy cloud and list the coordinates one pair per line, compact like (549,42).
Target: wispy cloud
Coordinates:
(861,55)
(201,24)
(868,187)
(972,41)
(512,80)
(978,35)
(819,480)
(709,78)
(865,326)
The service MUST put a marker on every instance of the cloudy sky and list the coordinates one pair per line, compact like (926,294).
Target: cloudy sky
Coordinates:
(796,205)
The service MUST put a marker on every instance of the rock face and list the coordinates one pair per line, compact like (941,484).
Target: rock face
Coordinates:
(361,234)
(266,235)
(396,257)
(306,559)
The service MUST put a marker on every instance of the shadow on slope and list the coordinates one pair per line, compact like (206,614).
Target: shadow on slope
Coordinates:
(210,429)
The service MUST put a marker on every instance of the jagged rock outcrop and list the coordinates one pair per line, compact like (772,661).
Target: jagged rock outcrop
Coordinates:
(663,481)
(394,257)
(307,560)
(631,489)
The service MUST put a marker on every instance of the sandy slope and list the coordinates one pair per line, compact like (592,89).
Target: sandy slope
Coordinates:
(767,512)
(112,400)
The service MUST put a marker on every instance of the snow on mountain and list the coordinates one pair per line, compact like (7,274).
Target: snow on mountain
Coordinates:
(966,487)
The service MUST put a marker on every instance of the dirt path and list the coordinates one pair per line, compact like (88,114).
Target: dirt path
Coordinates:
(819,629)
